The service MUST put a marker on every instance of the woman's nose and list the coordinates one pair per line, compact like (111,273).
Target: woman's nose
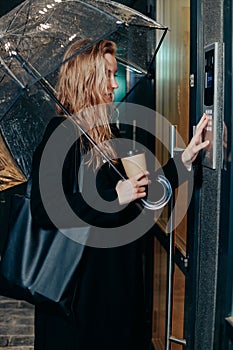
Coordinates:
(114,83)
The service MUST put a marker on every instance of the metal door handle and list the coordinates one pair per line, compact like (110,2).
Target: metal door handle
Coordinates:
(169,337)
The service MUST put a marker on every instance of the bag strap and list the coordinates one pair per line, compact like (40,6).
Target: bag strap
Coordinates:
(28,188)
(78,177)
(81,173)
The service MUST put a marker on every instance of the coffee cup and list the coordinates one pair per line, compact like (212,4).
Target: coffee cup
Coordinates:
(134,164)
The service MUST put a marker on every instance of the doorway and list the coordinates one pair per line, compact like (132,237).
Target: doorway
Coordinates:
(172,102)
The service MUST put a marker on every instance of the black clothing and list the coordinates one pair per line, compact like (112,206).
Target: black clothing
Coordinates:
(109,308)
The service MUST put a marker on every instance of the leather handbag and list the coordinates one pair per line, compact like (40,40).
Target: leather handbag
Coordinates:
(38,265)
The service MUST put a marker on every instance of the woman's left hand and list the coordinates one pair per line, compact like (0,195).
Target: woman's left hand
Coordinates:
(133,188)
(195,145)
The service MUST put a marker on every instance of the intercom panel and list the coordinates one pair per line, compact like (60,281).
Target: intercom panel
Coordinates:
(210,103)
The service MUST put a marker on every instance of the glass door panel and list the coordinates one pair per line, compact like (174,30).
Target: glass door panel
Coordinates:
(172,103)
(160,300)
(172,63)
(159,296)
(178,307)
(181,229)
(172,85)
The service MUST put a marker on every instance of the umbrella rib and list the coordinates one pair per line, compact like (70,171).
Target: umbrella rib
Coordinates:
(127,63)
(133,12)
(13,19)
(148,71)
(10,73)
(157,49)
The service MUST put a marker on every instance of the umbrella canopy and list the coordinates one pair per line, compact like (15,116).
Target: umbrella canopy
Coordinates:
(41,31)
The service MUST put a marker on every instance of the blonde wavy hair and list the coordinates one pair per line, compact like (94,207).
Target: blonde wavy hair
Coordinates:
(82,90)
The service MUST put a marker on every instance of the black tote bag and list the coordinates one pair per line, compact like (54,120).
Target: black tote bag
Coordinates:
(40,266)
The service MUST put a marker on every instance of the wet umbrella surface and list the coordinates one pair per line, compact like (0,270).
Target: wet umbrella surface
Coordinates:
(39,32)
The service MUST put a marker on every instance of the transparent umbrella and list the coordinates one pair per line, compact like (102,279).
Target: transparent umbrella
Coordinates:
(34,37)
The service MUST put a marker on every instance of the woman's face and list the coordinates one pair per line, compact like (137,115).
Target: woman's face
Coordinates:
(111,66)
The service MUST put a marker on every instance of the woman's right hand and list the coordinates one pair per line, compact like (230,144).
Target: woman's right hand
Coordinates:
(133,188)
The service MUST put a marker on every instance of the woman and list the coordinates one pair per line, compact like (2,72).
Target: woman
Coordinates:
(108,306)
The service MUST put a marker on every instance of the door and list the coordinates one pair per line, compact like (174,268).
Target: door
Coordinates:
(171,249)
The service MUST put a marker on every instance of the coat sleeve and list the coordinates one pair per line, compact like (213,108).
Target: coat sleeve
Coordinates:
(175,172)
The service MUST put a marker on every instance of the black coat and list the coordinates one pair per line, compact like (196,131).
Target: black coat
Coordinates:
(109,303)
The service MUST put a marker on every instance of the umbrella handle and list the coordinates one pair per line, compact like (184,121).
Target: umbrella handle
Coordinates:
(167,193)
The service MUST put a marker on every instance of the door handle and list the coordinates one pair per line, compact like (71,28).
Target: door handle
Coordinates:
(172,140)
(169,337)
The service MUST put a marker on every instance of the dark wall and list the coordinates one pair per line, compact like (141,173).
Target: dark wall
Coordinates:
(225,274)
(210,199)
(7,5)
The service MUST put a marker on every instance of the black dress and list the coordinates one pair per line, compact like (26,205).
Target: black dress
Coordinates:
(109,303)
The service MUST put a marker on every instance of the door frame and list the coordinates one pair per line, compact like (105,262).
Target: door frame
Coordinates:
(224,307)
(196,62)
